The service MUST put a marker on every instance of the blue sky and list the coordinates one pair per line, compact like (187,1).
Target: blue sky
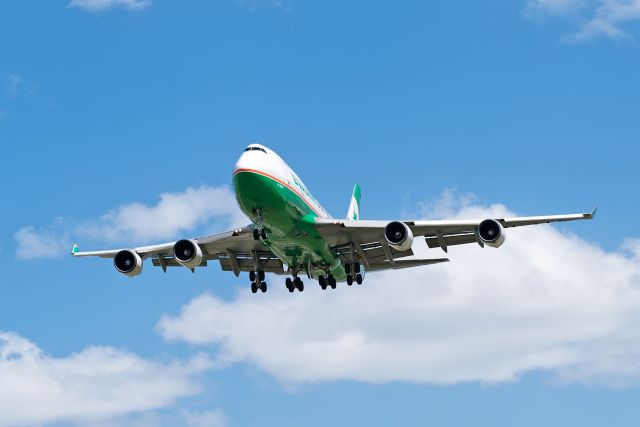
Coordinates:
(115,114)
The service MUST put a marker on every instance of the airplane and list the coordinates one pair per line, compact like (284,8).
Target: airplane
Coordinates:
(291,234)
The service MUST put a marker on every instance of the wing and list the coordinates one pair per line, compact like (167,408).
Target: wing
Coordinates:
(235,250)
(365,239)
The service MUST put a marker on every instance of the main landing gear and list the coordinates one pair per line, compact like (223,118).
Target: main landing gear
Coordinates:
(294,284)
(257,281)
(327,281)
(350,269)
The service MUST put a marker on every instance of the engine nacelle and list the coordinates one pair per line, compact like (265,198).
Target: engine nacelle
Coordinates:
(491,233)
(128,263)
(398,235)
(187,253)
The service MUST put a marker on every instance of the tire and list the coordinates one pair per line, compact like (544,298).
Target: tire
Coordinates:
(323,282)
(301,287)
(289,283)
(254,287)
(291,289)
(256,234)
(298,283)
(356,267)
(332,281)
(263,287)
(349,280)
(263,234)
(261,275)
(252,276)
(359,279)
(347,268)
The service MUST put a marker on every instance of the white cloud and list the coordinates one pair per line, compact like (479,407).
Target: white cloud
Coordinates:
(215,418)
(546,300)
(96,383)
(100,5)
(596,17)
(137,223)
(39,244)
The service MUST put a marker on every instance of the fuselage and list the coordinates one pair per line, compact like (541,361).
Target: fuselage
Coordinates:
(274,197)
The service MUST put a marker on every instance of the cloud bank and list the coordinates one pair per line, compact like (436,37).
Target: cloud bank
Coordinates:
(101,5)
(595,17)
(95,384)
(135,224)
(546,301)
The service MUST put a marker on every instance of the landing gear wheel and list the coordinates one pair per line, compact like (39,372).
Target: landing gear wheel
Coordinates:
(263,234)
(297,283)
(349,280)
(356,267)
(332,281)
(347,268)
(323,282)
(256,234)
(252,276)
(263,287)
(254,287)
(289,284)
(359,279)
(261,275)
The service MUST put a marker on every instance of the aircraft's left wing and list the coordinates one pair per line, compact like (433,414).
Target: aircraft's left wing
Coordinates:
(235,250)
(358,236)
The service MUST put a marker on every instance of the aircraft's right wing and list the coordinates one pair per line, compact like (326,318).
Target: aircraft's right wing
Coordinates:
(366,239)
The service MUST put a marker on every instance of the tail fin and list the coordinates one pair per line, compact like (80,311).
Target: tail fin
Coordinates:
(354,206)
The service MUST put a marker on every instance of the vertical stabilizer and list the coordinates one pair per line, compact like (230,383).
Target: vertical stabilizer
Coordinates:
(354,206)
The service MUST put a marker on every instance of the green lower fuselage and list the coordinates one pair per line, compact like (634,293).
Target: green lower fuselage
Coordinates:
(289,220)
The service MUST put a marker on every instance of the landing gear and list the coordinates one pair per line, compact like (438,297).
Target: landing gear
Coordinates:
(323,282)
(257,281)
(353,273)
(352,268)
(260,234)
(328,281)
(294,284)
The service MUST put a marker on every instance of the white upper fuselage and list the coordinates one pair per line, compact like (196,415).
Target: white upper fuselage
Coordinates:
(261,160)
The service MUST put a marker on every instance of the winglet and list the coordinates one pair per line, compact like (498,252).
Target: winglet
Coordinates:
(592,214)
(75,249)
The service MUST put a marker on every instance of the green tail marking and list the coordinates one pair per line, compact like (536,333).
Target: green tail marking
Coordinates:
(354,205)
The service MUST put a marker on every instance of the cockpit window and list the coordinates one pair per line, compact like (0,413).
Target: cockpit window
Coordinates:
(256,149)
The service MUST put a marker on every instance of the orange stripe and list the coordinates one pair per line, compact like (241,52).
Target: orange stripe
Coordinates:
(259,172)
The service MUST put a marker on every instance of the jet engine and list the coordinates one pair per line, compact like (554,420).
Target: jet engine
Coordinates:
(187,253)
(128,263)
(398,235)
(491,233)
